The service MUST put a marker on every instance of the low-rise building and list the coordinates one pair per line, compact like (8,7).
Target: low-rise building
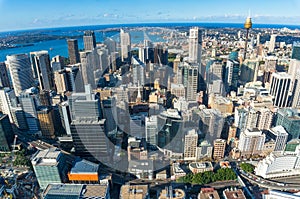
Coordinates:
(234,194)
(134,191)
(200,167)
(75,191)
(84,171)
(208,193)
(161,175)
(177,171)
(141,168)
(171,193)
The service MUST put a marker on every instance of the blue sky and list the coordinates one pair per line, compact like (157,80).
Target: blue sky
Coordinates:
(27,14)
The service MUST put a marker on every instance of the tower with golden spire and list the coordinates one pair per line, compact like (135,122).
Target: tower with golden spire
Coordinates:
(247,26)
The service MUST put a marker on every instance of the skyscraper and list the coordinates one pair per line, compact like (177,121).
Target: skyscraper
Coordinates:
(151,129)
(232,74)
(294,71)
(272,43)
(20,72)
(296,51)
(191,81)
(280,89)
(195,45)
(7,101)
(125,45)
(87,67)
(29,103)
(6,133)
(73,51)
(46,120)
(211,124)
(4,80)
(42,70)
(89,138)
(190,145)
(89,40)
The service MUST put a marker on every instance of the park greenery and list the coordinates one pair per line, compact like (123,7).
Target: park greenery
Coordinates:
(206,177)
(247,167)
(21,159)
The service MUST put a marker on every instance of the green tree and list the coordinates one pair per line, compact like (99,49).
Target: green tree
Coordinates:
(247,167)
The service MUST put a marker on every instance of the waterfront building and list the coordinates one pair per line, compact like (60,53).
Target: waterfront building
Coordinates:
(89,40)
(73,51)
(20,72)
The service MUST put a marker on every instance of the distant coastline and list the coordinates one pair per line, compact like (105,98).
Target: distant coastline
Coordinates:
(158,24)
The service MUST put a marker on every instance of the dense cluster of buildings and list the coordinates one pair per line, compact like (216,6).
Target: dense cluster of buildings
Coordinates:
(218,98)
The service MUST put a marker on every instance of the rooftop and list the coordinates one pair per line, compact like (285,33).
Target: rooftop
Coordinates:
(201,165)
(208,193)
(84,166)
(278,130)
(169,193)
(47,157)
(234,194)
(76,190)
(134,191)
(63,189)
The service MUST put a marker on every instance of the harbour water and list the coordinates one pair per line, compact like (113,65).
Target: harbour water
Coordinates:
(59,46)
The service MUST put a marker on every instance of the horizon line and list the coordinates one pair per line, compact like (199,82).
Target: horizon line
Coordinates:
(140,23)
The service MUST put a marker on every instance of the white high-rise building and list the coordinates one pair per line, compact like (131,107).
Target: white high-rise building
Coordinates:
(7,100)
(20,72)
(195,45)
(125,44)
(190,145)
(42,70)
(265,118)
(280,136)
(251,142)
(280,89)
(294,71)
(272,43)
